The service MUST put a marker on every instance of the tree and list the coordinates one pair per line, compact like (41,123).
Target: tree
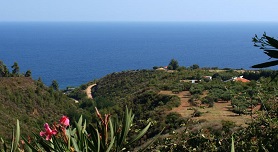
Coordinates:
(28,73)
(173,65)
(195,66)
(15,71)
(55,85)
(4,72)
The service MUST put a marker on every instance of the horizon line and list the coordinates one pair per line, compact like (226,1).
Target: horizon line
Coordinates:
(138,21)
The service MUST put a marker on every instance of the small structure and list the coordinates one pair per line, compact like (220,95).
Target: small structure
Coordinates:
(191,81)
(241,79)
(160,69)
(165,68)
(208,77)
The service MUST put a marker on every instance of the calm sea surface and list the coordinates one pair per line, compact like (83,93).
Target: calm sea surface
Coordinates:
(76,53)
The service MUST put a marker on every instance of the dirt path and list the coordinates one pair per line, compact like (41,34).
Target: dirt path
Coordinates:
(89,92)
(184,97)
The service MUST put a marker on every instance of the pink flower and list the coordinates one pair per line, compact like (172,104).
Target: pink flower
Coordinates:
(48,132)
(64,121)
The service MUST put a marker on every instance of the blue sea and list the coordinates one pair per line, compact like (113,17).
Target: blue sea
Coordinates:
(76,53)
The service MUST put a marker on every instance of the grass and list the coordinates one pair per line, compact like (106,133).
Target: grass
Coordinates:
(219,112)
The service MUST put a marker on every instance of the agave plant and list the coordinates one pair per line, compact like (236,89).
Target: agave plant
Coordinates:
(15,140)
(232,145)
(270,47)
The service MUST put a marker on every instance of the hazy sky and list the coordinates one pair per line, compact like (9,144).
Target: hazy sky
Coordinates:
(139,10)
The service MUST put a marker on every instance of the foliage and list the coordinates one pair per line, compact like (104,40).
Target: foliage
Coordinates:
(31,102)
(260,135)
(195,66)
(174,121)
(15,71)
(196,89)
(54,85)
(270,47)
(77,94)
(28,73)
(109,135)
(4,71)
(141,91)
(233,145)
(173,65)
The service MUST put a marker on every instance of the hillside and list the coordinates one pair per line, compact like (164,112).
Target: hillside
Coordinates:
(201,115)
(31,103)
(211,110)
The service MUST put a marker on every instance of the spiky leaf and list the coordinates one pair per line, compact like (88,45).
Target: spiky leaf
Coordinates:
(233,145)
(266,64)
(271,53)
(273,42)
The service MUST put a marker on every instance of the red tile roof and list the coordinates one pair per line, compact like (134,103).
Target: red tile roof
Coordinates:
(240,79)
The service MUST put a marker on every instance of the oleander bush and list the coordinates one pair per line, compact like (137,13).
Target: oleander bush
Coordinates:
(109,134)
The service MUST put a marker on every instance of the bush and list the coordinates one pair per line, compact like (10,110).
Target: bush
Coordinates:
(196,89)
(196,113)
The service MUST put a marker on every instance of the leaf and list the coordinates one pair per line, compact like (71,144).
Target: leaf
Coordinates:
(112,137)
(79,125)
(271,53)
(111,129)
(45,146)
(111,144)
(153,140)
(94,142)
(16,138)
(266,64)
(68,135)
(126,126)
(75,144)
(4,145)
(233,145)
(142,133)
(29,146)
(98,141)
(84,126)
(273,42)
(80,133)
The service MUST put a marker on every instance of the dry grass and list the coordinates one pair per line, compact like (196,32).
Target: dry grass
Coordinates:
(219,112)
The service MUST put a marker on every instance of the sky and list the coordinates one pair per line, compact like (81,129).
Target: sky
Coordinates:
(139,10)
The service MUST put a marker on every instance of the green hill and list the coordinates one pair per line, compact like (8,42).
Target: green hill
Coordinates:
(167,99)
(31,103)
(200,125)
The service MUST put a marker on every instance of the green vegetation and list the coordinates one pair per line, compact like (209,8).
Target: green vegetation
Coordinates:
(163,100)
(111,134)
(140,90)
(32,103)
(4,71)
(173,65)
(54,85)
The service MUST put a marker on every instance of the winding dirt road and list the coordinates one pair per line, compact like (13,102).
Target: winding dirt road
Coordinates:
(89,91)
